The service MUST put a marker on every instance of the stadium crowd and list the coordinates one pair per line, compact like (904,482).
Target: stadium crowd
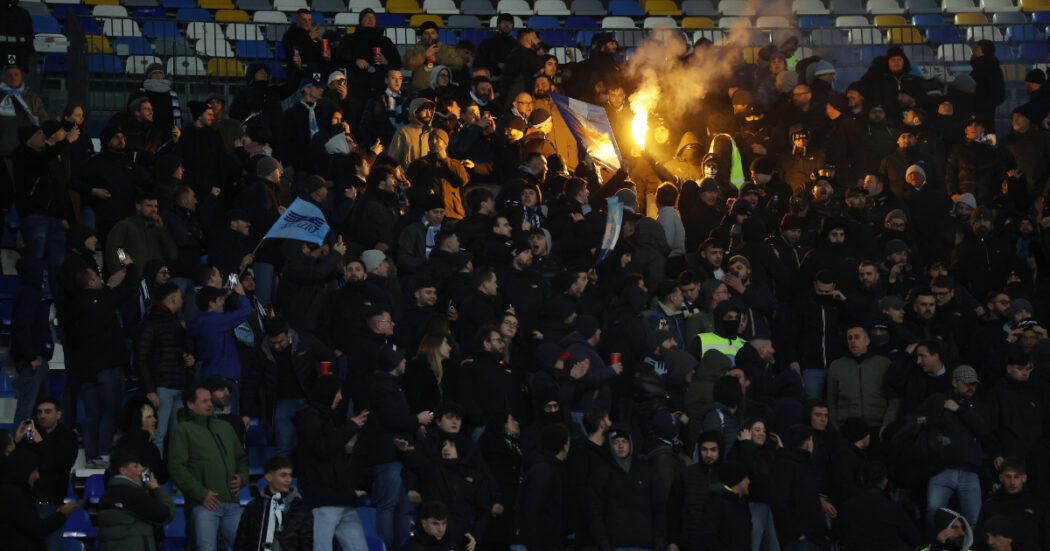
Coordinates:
(819,327)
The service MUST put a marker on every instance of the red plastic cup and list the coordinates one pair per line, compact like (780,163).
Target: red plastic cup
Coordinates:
(615,357)
(324,46)
(376,54)
(326,368)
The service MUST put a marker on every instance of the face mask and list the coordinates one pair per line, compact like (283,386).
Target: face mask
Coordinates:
(727,328)
(157,85)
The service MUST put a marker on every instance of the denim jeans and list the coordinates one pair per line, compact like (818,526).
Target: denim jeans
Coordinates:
(814,379)
(167,414)
(45,238)
(341,523)
(964,484)
(209,525)
(101,404)
(283,429)
(264,273)
(763,533)
(32,386)
(393,509)
(53,541)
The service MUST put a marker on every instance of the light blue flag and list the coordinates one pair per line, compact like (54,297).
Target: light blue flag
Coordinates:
(590,126)
(302,221)
(613,223)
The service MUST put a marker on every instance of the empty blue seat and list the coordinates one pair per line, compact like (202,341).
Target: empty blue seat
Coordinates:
(943,35)
(390,20)
(276,69)
(927,20)
(581,22)
(447,36)
(318,17)
(9,284)
(375,544)
(70,544)
(257,435)
(193,14)
(1032,51)
(5,311)
(177,4)
(245,495)
(177,527)
(1005,53)
(814,22)
(474,36)
(1022,33)
(583,38)
(105,63)
(625,7)
(78,525)
(173,544)
(256,458)
(46,24)
(368,520)
(254,49)
(543,22)
(1041,17)
(94,487)
(87,25)
(148,12)
(135,45)
(557,38)
(160,29)
(61,10)
(7,390)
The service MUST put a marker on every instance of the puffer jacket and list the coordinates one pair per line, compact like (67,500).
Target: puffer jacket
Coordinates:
(161,342)
(410,142)
(856,388)
(975,167)
(130,516)
(204,455)
(326,473)
(298,524)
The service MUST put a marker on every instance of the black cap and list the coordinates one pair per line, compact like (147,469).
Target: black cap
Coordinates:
(1000,525)
(433,201)
(311,80)
(427,25)
(750,188)
(763,165)
(238,214)
(504,17)
(1035,76)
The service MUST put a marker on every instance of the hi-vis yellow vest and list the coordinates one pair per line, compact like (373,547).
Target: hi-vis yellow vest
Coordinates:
(712,341)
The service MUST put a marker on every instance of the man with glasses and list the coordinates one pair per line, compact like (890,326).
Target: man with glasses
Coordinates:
(521,107)
(1018,408)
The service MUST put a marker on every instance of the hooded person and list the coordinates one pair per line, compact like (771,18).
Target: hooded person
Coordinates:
(625,508)
(691,490)
(951,532)
(581,345)
(157,88)
(686,164)
(411,141)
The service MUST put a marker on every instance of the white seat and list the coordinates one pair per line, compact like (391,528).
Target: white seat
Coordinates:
(852,21)
(401,36)
(187,65)
(464,21)
(136,64)
(959,6)
(954,53)
(199,29)
(289,5)
(359,5)
(915,7)
(735,7)
(107,10)
(567,55)
(984,32)
(514,7)
(270,17)
(884,7)
(828,37)
(344,19)
(518,22)
(618,22)
(244,31)
(772,22)
(440,7)
(810,7)
(717,36)
(477,7)
(1009,18)
(846,7)
(995,6)
(556,8)
(698,8)
(120,27)
(866,36)
(214,46)
(659,22)
(734,22)
(50,43)
(588,7)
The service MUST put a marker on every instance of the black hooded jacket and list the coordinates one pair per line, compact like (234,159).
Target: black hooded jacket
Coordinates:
(20,523)
(326,472)
(685,505)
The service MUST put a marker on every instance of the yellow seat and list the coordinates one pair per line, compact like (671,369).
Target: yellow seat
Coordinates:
(890,21)
(238,16)
(216,4)
(99,2)
(225,68)
(966,19)
(1031,5)
(905,35)
(419,19)
(662,7)
(403,6)
(751,54)
(98,44)
(698,23)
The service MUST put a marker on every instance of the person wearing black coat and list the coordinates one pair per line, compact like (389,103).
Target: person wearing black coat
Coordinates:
(182,222)
(488,385)
(138,420)
(1015,501)
(481,306)
(163,357)
(376,213)
(328,474)
(871,521)
(229,247)
(110,181)
(501,450)
(385,111)
(22,526)
(690,492)
(31,343)
(358,53)
(1018,407)
(284,368)
(302,40)
(975,166)
(343,321)
(796,485)
(454,480)
(623,499)
(295,524)
(990,91)
(41,173)
(540,507)
(726,522)
(307,277)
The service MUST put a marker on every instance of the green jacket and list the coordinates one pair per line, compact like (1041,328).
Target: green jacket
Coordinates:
(204,455)
(130,516)
(857,388)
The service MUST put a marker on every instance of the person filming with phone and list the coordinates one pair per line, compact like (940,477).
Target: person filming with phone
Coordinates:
(134,508)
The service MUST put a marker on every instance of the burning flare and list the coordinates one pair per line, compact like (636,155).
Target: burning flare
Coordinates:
(640,126)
